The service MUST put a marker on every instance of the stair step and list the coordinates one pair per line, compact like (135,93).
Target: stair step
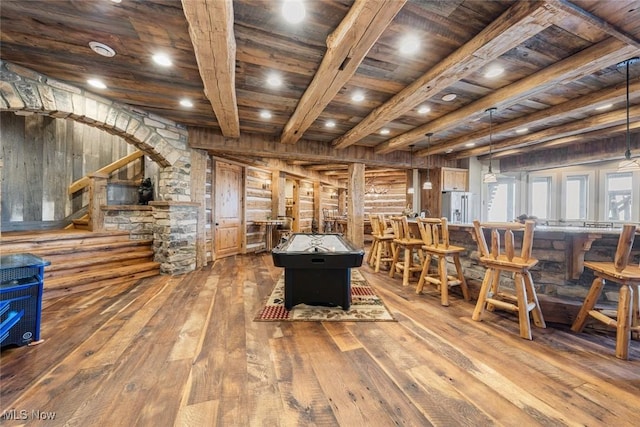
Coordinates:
(95,275)
(81,260)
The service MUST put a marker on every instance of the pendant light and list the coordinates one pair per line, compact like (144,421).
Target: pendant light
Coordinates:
(628,165)
(410,190)
(490,177)
(427,184)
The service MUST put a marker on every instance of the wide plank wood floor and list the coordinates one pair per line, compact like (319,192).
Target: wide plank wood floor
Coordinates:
(185,351)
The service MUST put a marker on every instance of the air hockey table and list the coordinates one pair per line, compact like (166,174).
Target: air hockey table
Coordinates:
(317,269)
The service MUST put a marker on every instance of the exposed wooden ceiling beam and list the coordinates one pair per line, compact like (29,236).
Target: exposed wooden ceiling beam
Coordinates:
(347,46)
(572,9)
(582,137)
(214,44)
(521,22)
(571,107)
(328,166)
(600,121)
(309,151)
(587,61)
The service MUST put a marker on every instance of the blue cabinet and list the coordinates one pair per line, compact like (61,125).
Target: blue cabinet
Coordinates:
(21,287)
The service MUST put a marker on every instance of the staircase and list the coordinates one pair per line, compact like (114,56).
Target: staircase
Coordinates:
(82,260)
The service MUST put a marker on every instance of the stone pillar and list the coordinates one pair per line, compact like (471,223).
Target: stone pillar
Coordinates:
(174,235)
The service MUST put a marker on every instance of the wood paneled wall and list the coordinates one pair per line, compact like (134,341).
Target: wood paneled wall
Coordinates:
(258,205)
(42,156)
(394,201)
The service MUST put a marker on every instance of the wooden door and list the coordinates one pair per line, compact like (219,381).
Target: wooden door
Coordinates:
(228,210)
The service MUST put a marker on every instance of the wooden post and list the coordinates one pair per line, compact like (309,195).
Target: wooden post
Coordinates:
(355,207)
(198,179)
(97,199)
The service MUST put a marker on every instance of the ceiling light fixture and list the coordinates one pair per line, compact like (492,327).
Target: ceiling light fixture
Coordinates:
(410,190)
(186,103)
(522,130)
(162,59)
(102,49)
(449,97)
(265,114)
(384,131)
(423,109)
(427,185)
(274,80)
(470,144)
(409,44)
(494,71)
(97,83)
(627,164)
(330,124)
(357,97)
(293,11)
(490,177)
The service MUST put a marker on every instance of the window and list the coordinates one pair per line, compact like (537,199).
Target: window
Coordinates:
(502,200)
(540,192)
(618,195)
(576,197)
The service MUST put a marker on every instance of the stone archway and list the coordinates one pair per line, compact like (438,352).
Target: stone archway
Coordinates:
(164,141)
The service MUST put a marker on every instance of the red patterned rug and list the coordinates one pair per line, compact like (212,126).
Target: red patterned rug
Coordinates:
(365,306)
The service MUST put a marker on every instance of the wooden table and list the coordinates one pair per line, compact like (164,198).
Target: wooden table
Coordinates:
(268,231)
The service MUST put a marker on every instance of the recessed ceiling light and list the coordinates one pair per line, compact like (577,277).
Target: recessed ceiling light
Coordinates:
(162,59)
(470,144)
(522,130)
(449,97)
(293,11)
(494,71)
(423,109)
(116,1)
(449,150)
(274,80)
(604,107)
(330,124)
(102,49)
(357,97)
(384,131)
(409,44)
(186,103)
(97,83)
(265,114)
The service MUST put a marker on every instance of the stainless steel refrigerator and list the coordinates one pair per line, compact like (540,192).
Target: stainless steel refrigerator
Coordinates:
(457,206)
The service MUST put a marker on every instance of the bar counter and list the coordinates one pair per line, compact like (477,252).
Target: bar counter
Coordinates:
(560,278)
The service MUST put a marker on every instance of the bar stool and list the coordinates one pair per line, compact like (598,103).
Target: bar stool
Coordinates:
(382,248)
(406,244)
(435,237)
(628,277)
(525,300)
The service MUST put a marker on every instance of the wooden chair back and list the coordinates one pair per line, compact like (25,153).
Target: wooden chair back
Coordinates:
(400,227)
(625,242)
(504,231)
(434,232)
(375,224)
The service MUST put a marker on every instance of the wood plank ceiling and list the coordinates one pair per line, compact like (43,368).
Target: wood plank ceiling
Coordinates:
(559,59)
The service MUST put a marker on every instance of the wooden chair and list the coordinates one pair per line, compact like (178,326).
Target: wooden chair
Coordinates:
(407,245)
(525,300)
(382,248)
(435,238)
(628,277)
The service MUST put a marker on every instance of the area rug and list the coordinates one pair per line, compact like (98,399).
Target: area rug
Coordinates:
(365,306)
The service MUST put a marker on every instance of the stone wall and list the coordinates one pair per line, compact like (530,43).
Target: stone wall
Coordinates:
(137,220)
(174,236)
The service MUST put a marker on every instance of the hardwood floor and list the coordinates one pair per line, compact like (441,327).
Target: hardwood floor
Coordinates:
(185,351)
